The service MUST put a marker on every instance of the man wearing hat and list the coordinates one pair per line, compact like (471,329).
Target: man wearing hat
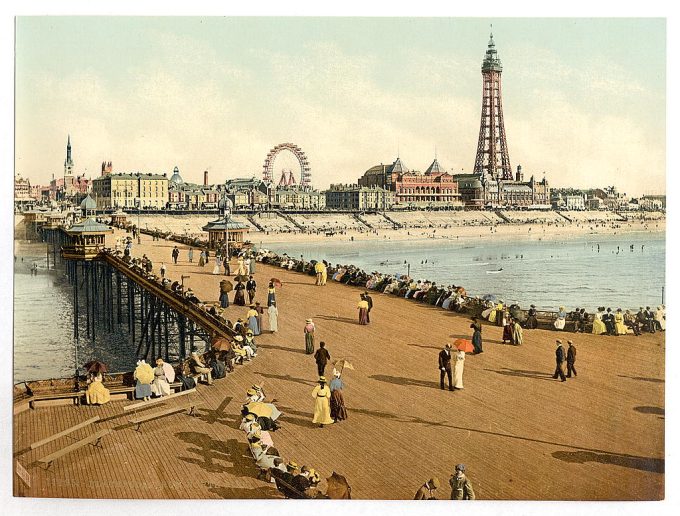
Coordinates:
(445,366)
(199,367)
(559,359)
(322,356)
(427,490)
(571,359)
(461,488)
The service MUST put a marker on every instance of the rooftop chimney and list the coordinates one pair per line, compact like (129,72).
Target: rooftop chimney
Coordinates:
(205,178)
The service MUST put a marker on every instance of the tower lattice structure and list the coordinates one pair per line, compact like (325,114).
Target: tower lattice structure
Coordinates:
(492,148)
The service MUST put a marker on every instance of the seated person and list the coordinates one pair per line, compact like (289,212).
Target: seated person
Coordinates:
(96,393)
(198,367)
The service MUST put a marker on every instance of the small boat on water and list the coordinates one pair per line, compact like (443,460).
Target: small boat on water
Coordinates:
(495,272)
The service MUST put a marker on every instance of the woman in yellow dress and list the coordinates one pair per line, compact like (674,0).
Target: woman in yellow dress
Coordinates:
(621,328)
(598,326)
(96,393)
(322,403)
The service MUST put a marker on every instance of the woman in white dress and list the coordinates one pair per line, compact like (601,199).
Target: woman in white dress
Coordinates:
(660,317)
(273,313)
(161,383)
(218,265)
(561,319)
(458,367)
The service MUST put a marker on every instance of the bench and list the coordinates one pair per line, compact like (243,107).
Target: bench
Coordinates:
(74,395)
(69,430)
(162,413)
(94,438)
(153,401)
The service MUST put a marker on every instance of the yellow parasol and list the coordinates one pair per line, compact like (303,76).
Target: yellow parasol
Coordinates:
(259,409)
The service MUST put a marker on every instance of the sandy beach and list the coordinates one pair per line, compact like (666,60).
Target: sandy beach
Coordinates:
(522,435)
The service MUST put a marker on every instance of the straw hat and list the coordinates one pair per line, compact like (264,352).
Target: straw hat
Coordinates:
(558,341)
(249,332)
(251,392)
(250,417)
(238,338)
(322,379)
(434,482)
(309,320)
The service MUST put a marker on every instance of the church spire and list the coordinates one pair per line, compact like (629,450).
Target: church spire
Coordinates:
(68,163)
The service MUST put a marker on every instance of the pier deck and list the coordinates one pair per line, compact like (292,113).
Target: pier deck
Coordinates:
(521,434)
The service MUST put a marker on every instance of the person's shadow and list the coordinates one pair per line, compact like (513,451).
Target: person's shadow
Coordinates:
(400,380)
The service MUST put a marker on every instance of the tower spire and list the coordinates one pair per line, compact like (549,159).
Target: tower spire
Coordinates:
(68,163)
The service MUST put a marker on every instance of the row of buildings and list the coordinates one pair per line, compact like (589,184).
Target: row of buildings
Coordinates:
(492,184)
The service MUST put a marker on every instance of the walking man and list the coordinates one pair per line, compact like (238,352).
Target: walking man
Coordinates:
(251,286)
(559,359)
(461,488)
(175,254)
(445,366)
(322,356)
(571,359)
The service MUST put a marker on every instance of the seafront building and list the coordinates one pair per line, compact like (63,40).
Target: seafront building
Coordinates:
(359,198)
(191,196)
(128,190)
(434,188)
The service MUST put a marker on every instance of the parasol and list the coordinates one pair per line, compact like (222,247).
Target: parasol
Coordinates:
(144,373)
(226,286)
(277,282)
(241,277)
(221,344)
(338,488)
(169,372)
(95,366)
(343,362)
(463,345)
(259,409)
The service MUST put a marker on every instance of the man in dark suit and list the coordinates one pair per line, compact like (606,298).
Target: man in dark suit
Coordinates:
(609,323)
(251,286)
(571,359)
(366,297)
(445,366)
(322,356)
(559,359)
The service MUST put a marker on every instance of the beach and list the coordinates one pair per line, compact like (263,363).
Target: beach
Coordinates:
(521,434)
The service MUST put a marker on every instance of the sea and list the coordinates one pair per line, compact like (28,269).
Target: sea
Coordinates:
(626,271)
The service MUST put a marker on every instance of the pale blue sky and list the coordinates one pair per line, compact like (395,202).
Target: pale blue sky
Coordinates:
(584,99)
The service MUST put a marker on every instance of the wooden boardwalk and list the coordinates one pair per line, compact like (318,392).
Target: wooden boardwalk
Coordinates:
(521,434)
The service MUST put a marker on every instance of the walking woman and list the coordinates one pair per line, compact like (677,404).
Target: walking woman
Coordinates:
(322,406)
(273,313)
(309,336)
(271,294)
(201,259)
(218,265)
(458,367)
(338,410)
(363,311)
(476,335)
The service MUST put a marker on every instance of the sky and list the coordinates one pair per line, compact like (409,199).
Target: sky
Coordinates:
(584,99)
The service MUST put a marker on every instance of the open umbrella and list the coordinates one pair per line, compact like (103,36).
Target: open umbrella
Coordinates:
(221,344)
(259,409)
(226,286)
(241,277)
(169,372)
(464,345)
(95,366)
(343,362)
(338,488)
(277,282)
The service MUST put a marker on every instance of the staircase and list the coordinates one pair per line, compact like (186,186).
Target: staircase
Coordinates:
(291,220)
(500,215)
(564,216)
(394,222)
(251,219)
(363,221)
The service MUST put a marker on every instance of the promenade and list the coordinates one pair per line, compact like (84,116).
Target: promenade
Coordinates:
(521,434)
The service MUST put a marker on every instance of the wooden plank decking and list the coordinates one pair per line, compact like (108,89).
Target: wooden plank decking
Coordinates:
(521,434)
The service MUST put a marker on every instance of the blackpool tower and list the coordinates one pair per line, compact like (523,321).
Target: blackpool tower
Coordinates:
(492,147)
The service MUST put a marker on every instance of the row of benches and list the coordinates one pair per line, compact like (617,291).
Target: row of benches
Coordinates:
(77,396)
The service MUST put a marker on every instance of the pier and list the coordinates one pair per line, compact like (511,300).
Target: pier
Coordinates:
(521,434)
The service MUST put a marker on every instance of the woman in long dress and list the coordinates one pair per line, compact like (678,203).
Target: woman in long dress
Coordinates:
(322,404)
(271,294)
(252,266)
(531,322)
(598,326)
(273,313)
(363,311)
(144,376)
(160,385)
(561,319)
(621,328)
(338,410)
(476,335)
(507,329)
(458,367)
(241,267)
(309,336)
(239,296)
(218,265)
(517,335)
(201,259)
(660,317)
(96,393)
(253,323)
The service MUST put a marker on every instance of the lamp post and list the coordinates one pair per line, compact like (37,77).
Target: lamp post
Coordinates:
(139,209)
